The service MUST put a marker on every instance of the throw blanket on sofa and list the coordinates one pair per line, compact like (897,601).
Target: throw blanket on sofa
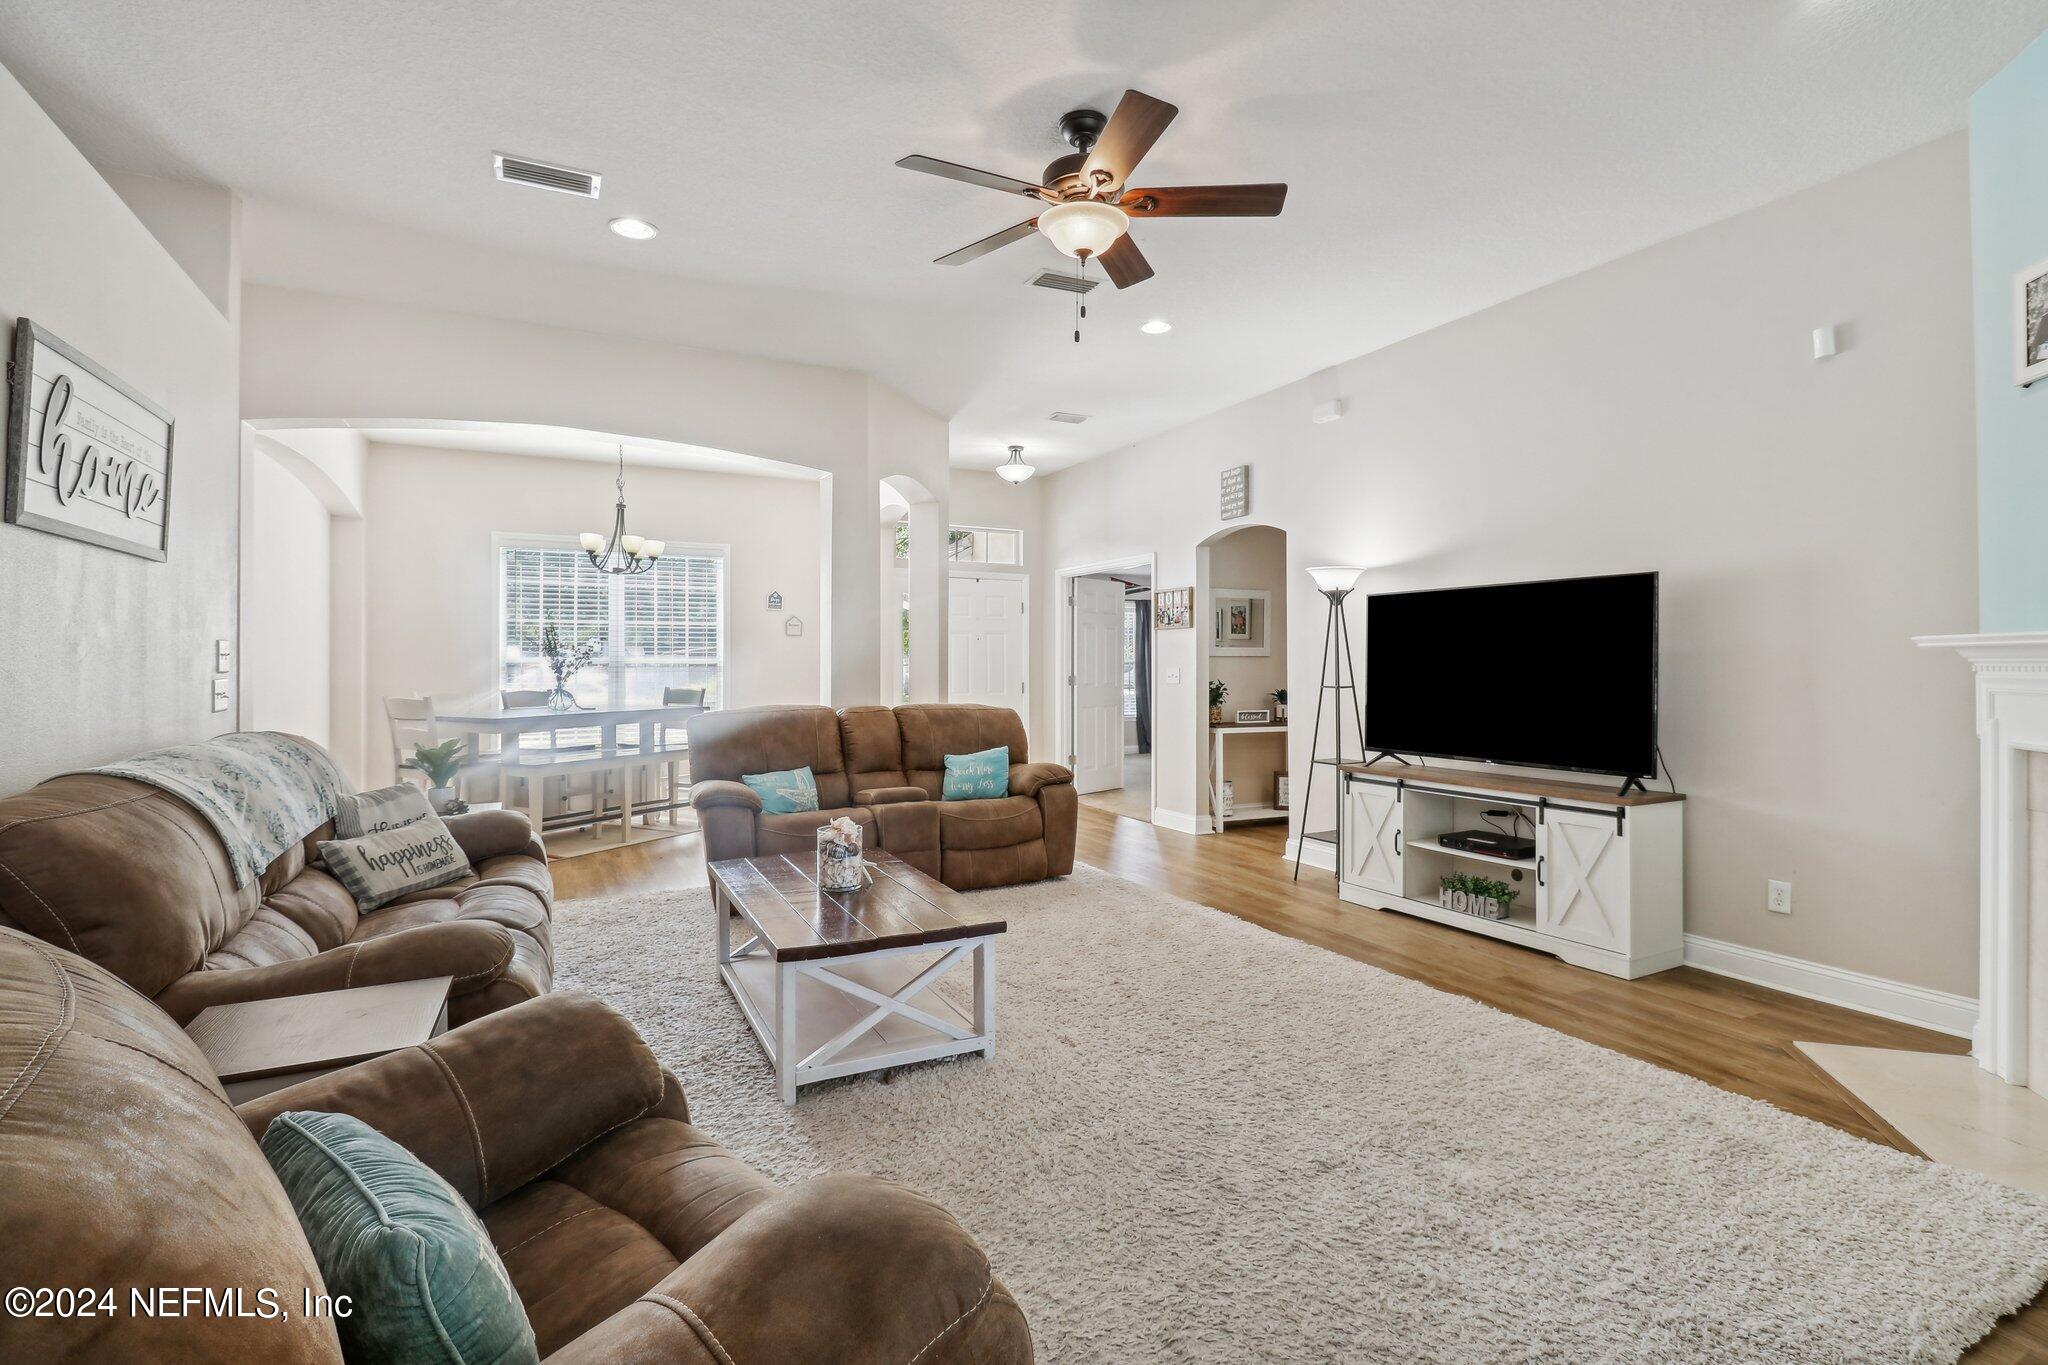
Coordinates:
(261,791)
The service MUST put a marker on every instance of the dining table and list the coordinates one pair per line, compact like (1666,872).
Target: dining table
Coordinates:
(509,722)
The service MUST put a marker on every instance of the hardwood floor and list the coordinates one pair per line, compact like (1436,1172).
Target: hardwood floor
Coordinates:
(1728,1033)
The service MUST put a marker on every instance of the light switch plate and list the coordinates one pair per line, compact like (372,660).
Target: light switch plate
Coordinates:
(1173,675)
(220,694)
(223,655)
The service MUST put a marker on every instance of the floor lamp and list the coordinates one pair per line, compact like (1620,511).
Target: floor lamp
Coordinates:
(1334,581)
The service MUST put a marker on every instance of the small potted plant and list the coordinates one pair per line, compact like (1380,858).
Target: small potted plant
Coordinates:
(442,763)
(1481,896)
(1217,692)
(1279,698)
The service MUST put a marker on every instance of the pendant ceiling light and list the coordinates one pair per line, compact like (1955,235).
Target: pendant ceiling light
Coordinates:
(621,554)
(1014,469)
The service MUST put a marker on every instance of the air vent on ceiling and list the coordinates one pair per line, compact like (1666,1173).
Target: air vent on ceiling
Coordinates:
(1052,279)
(519,170)
(1071,418)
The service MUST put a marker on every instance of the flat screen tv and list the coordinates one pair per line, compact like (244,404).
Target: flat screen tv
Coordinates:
(1555,674)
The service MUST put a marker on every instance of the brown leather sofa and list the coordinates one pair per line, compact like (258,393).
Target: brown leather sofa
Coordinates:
(628,1233)
(136,880)
(886,768)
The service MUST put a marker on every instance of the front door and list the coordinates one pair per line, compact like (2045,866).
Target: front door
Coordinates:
(985,641)
(1098,684)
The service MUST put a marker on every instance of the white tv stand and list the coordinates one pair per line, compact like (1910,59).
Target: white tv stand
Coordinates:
(1605,889)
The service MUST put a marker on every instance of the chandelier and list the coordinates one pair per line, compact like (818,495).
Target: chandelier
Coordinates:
(622,554)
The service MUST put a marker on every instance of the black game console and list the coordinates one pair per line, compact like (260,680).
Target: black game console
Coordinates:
(1490,841)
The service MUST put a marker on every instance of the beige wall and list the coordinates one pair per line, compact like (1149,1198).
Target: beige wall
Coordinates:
(430,590)
(106,654)
(1253,558)
(285,659)
(1663,412)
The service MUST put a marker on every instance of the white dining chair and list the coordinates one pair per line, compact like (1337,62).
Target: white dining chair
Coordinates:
(412,723)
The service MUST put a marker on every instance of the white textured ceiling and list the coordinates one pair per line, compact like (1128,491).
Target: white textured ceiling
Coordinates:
(1442,157)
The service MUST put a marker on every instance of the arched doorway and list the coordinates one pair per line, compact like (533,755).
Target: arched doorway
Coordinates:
(1241,642)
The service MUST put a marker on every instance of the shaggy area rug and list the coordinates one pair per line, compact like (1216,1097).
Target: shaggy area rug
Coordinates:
(1202,1141)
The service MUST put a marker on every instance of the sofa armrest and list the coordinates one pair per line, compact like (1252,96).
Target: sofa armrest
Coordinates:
(497,1102)
(474,952)
(906,1284)
(706,795)
(485,834)
(1027,778)
(889,796)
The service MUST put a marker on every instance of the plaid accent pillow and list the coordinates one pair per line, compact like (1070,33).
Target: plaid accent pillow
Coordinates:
(374,812)
(379,868)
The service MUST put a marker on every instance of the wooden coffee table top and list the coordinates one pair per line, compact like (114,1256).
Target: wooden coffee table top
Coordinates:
(901,908)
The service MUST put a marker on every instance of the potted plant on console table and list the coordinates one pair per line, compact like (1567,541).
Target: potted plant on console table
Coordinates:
(1279,698)
(1217,692)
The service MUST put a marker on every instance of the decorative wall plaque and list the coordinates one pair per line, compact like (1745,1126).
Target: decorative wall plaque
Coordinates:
(87,456)
(1237,491)
(793,626)
(775,601)
(1173,608)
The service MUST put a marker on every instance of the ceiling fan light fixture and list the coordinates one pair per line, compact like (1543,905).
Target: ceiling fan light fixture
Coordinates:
(1083,227)
(1014,469)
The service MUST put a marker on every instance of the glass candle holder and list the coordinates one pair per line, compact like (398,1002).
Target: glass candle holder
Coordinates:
(839,860)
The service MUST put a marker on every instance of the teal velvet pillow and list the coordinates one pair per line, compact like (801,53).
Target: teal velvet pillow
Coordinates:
(976,777)
(423,1280)
(784,793)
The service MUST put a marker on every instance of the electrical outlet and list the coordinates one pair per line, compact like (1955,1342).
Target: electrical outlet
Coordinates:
(1778,897)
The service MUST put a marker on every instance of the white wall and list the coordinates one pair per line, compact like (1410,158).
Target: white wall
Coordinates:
(312,358)
(286,650)
(431,593)
(1663,412)
(106,654)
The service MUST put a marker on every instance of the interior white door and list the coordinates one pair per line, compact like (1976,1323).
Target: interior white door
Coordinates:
(985,641)
(1097,611)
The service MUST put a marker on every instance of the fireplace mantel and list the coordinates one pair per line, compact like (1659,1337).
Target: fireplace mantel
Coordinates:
(2011,673)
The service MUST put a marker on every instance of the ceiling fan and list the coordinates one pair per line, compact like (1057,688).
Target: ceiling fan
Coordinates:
(1090,203)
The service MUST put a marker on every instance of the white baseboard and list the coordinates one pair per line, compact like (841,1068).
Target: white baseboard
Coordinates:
(1175,819)
(1315,853)
(1937,1010)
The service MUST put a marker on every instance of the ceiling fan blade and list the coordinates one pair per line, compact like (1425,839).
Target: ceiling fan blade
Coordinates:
(1016,233)
(1205,201)
(1009,184)
(1132,129)
(1125,264)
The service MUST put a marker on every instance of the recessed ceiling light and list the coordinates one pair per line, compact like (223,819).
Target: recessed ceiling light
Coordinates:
(638,229)
(1156,327)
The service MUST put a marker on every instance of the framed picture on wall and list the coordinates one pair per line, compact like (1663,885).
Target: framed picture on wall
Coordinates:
(2030,324)
(1173,608)
(87,456)
(1238,621)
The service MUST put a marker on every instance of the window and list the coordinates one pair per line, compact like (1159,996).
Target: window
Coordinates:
(972,544)
(663,628)
(1131,610)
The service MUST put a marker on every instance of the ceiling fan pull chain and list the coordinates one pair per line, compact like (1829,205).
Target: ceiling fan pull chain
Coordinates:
(1080,298)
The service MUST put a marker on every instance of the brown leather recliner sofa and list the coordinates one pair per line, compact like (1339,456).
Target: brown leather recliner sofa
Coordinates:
(885,767)
(627,1232)
(136,880)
